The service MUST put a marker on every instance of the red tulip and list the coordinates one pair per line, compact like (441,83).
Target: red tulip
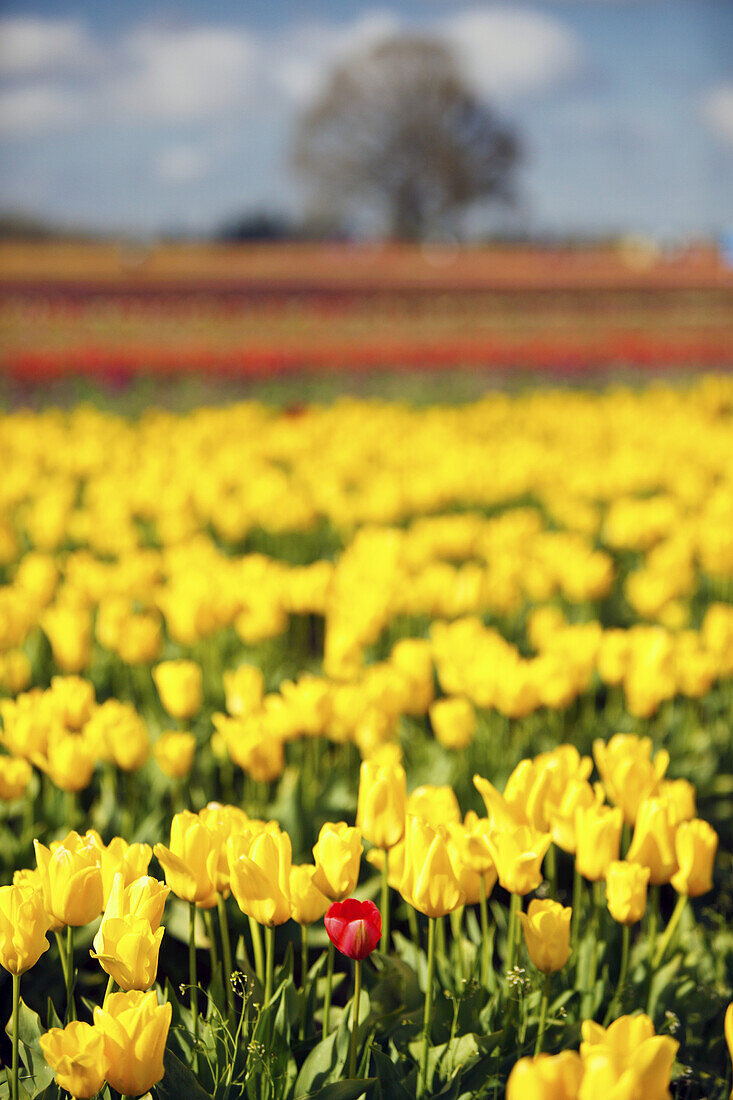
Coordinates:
(354,927)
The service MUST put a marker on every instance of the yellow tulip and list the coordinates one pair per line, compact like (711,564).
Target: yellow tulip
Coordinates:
(337,854)
(173,752)
(546,1077)
(127,946)
(144,897)
(179,685)
(191,860)
(75,1053)
(626,889)
(396,865)
(15,775)
(546,927)
(259,870)
(72,700)
(598,839)
(679,794)
(71,878)
(653,842)
(518,854)
(696,843)
(129,860)
(69,762)
(223,822)
(307,903)
(578,794)
(381,808)
(453,721)
(135,1030)
(429,883)
(435,805)
(23,926)
(627,1057)
(244,690)
(628,772)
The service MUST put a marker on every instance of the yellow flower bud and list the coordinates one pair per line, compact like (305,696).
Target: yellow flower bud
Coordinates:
(679,794)
(127,949)
(382,803)
(15,775)
(626,887)
(578,794)
(518,854)
(119,857)
(307,903)
(696,843)
(546,1077)
(23,926)
(173,753)
(453,721)
(463,857)
(69,762)
(135,1030)
(626,1056)
(72,700)
(179,687)
(190,861)
(337,854)
(598,839)
(628,772)
(244,689)
(71,879)
(652,844)
(429,883)
(435,805)
(76,1055)
(259,870)
(546,927)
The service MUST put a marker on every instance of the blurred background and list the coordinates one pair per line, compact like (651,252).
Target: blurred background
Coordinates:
(292,198)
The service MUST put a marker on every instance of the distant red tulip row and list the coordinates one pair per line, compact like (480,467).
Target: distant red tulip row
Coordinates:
(558,356)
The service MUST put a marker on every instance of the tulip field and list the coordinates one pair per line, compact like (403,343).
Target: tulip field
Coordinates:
(369,749)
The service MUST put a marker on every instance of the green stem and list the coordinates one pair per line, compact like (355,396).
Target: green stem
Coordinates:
(625,940)
(595,946)
(515,905)
(577,903)
(543,1013)
(69,974)
(329,983)
(110,988)
(211,936)
(270,965)
(653,919)
(484,909)
(355,1019)
(669,931)
(193,982)
(257,949)
(226,948)
(413,926)
(303,976)
(62,957)
(428,1014)
(16,1037)
(384,941)
(551,869)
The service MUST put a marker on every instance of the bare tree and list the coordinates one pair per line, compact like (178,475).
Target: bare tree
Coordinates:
(396,131)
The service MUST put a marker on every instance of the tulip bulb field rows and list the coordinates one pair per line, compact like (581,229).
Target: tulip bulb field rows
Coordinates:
(368,750)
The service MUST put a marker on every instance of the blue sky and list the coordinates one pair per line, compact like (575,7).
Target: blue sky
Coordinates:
(142,116)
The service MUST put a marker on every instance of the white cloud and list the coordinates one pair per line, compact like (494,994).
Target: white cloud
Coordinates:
(37,108)
(31,46)
(717,112)
(301,60)
(183,74)
(511,51)
(181,164)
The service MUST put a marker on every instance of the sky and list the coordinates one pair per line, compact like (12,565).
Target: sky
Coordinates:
(144,116)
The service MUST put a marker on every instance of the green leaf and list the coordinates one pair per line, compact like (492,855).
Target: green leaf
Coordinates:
(30,1031)
(178,1081)
(388,1085)
(324,1064)
(342,1090)
(662,982)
